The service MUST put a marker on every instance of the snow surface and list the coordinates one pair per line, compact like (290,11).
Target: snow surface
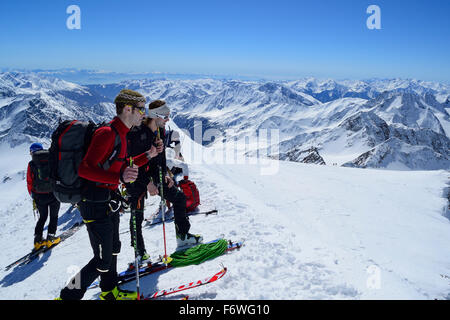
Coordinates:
(311,232)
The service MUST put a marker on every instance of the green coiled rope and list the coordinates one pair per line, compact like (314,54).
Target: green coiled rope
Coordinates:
(199,253)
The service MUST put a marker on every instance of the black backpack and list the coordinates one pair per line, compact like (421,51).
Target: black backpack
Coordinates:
(40,167)
(70,142)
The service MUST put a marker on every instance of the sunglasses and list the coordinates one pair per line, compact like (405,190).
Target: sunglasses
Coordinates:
(162,117)
(140,109)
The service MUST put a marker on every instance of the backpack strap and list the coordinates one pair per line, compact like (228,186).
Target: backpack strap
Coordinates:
(33,170)
(116,151)
(61,136)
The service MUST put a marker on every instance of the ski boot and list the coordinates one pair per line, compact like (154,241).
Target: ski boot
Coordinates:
(38,243)
(188,239)
(143,258)
(118,294)
(52,240)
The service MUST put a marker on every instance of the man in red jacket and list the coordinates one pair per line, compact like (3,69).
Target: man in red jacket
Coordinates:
(39,188)
(103,224)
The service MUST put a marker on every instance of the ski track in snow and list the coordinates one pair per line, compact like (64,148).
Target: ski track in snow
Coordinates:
(310,232)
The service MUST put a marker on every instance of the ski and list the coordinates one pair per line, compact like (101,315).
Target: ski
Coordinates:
(187,286)
(25,258)
(158,212)
(36,253)
(130,274)
(159,220)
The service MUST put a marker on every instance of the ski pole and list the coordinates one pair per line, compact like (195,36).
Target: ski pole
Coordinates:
(136,260)
(163,209)
(131,165)
(34,209)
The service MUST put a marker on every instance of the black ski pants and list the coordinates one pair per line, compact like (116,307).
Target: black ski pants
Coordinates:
(173,195)
(46,203)
(104,238)
(178,199)
(137,209)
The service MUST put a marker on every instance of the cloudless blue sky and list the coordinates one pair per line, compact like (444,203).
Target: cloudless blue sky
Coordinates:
(283,39)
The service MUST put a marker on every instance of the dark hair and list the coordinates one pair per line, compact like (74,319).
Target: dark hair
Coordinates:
(127,97)
(119,107)
(156,104)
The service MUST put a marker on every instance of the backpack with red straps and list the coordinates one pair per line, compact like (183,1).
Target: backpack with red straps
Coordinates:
(39,165)
(70,142)
(191,192)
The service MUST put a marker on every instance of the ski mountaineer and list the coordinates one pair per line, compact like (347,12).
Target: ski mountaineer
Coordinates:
(139,140)
(101,222)
(159,114)
(43,199)
(142,138)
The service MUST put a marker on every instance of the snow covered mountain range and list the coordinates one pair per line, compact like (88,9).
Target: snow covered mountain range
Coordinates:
(89,76)
(31,106)
(396,124)
(311,231)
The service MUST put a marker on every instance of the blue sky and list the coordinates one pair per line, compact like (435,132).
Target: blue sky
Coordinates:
(278,39)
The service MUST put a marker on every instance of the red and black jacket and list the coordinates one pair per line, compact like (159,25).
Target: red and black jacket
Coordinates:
(100,149)
(30,181)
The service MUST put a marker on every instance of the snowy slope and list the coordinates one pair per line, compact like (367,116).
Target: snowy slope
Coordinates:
(311,232)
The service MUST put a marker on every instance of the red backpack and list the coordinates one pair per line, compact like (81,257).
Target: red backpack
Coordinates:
(191,192)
